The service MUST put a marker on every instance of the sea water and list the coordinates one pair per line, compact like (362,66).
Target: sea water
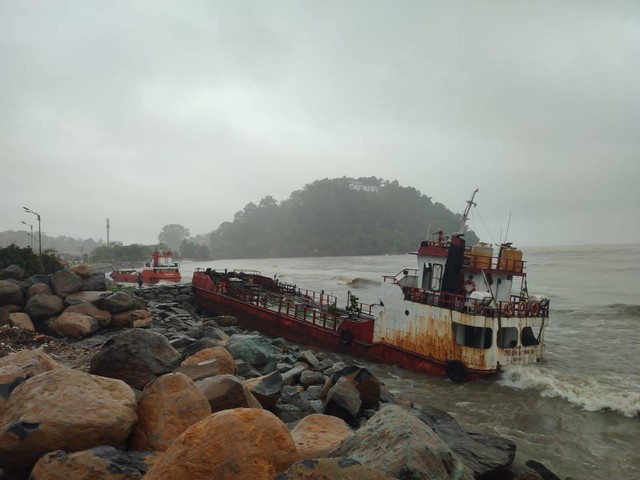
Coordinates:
(577,411)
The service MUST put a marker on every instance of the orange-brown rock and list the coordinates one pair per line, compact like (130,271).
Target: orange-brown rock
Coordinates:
(82,270)
(316,435)
(207,363)
(37,288)
(225,392)
(242,443)
(64,282)
(168,406)
(63,409)
(10,293)
(74,325)
(102,316)
(131,319)
(21,320)
(103,463)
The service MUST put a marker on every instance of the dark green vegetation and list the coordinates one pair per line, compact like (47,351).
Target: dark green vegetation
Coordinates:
(29,261)
(341,216)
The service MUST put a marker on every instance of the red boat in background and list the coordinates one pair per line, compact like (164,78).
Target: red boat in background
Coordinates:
(160,268)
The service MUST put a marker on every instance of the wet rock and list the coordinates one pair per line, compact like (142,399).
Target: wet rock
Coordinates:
(198,345)
(541,470)
(292,375)
(486,455)
(92,296)
(245,370)
(63,409)
(309,358)
(74,325)
(343,401)
(131,319)
(117,302)
(317,435)
(401,445)
(22,321)
(102,316)
(168,406)
(254,349)
(32,280)
(83,270)
(365,382)
(64,282)
(96,281)
(234,444)
(224,392)
(42,306)
(136,356)
(180,340)
(517,471)
(313,392)
(267,389)
(105,463)
(214,359)
(225,321)
(309,377)
(12,271)
(39,288)
(213,332)
(294,405)
(331,469)
(10,293)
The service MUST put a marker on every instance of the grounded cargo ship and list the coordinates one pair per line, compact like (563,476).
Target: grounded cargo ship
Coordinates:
(454,315)
(160,268)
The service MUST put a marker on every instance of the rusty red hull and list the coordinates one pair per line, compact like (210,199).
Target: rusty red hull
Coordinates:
(148,277)
(282,324)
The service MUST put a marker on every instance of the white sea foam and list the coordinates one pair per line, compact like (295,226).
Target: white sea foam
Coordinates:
(618,393)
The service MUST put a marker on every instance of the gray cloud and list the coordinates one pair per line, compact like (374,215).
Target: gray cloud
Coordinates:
(156,112)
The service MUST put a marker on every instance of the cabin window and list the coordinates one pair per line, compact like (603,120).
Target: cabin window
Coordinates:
(426,276)
(508,337)
(436,276)
(528,337)
(475,337)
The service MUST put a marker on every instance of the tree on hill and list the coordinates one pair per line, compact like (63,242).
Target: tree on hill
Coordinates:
(341,216)
(172,235)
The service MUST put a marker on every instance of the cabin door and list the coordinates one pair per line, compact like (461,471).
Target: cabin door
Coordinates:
(426,276)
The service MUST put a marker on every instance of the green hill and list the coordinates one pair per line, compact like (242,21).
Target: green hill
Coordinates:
(340,216)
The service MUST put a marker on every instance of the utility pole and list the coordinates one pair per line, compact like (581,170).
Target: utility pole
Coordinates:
(108,232)
(31,234)
(39,229)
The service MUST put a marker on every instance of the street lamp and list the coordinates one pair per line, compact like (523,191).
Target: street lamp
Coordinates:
(31,234)
(39,230)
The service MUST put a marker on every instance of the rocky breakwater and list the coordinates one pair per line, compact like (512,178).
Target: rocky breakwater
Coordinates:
(168,395)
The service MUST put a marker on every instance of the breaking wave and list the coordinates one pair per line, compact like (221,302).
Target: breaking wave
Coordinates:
(357,282)
(614,310)
(590,394)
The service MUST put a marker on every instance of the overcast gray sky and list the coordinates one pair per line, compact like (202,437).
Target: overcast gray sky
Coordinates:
(159,112)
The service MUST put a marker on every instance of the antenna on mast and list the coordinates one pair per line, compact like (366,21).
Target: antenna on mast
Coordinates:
(108,226)
(465,215)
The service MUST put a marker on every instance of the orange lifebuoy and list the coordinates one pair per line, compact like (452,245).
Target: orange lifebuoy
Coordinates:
(469,287)
(508,309)
(535,309)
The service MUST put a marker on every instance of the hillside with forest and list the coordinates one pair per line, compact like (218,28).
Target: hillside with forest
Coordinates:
(331,217)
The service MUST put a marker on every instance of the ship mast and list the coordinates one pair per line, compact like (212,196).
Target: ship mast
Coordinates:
(465,215)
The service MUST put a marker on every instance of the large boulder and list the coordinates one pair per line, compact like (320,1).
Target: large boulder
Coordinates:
(117,302)
(64,282)
(102,316)
(90,296)
(131,319)
(486,455)
(254,349)
(37,288)
(317,435)
(83,270)
(168,406)
(74,325)
(402,446)
(136,356)
(42,306)
(267,389)
(10,293)
(242,443)
(331,469)
(97,281)
(208,362)
(12,271)
(63,409)
(17,367)
(365,382)
(224,392)
(343,401)
(104,463)
(21,320)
